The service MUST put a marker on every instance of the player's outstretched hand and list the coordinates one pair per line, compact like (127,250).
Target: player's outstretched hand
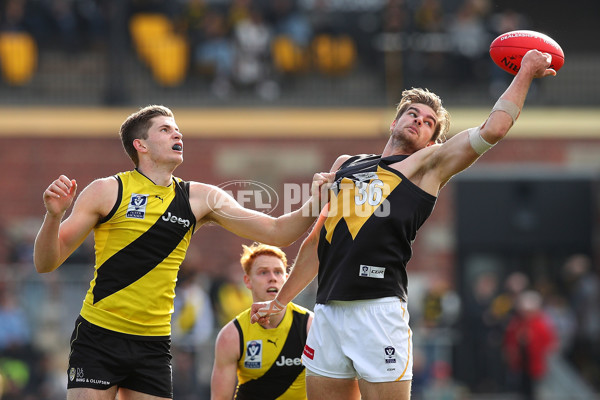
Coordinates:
(262,311)
(321,183)
(60,194)
(538,63)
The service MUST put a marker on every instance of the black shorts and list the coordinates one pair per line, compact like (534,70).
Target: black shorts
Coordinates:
(100,359)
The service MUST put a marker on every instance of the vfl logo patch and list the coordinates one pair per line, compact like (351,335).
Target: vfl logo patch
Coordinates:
(253,356)
(137,206)
(368,271)
(390,355)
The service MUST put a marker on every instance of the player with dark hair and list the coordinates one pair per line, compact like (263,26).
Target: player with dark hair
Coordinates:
(142,221)
(264,359)
(360,343)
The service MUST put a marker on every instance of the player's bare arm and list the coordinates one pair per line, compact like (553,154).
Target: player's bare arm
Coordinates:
(304,270)
(57,239)
(212,204)
(432,167)
(339,161)
(227,353)
(306,267)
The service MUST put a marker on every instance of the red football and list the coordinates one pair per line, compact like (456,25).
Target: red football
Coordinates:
(508,49)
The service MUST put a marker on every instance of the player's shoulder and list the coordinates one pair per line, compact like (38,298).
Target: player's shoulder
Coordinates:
(346,160)
(337,164)
(200,188)
(101,186)
(228,333)
(228,339)
(99,196)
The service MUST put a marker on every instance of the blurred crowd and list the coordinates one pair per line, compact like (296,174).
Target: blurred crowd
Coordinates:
(511,331)
(261,45)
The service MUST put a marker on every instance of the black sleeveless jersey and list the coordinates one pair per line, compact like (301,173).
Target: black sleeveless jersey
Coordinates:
(365,243)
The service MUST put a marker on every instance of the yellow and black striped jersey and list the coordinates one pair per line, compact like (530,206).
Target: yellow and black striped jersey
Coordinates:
(365,243)
(139,247)
(270,366)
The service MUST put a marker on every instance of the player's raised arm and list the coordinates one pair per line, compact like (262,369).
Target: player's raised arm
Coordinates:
(304,270)
(56,240)
(463,149)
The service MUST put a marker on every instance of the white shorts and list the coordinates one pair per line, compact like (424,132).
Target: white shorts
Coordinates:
(364,339)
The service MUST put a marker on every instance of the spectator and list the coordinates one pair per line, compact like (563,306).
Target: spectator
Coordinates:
(19,360)
(13,17)
(15,330)
(502,22)
(288,21)
(480,336)
(429,16)
(193,324)
(528,341)
(583,288)
(191,20)
(253,67)
(229,294)
(215,54)
(563,319)
(64,25)
(503,306)
(443,386)
(470,39)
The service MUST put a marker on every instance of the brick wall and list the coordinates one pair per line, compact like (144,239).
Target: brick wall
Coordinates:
(28,165)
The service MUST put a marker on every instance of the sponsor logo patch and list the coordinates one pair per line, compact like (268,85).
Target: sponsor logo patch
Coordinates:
(288,362)
(176,220)
(369,271)
(77,375)
(308,352)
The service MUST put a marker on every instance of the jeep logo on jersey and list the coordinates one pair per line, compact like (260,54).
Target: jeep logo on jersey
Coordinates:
(253,355)
(390,355)
(137,206)
(176,220)
(253,195)
(284,361)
